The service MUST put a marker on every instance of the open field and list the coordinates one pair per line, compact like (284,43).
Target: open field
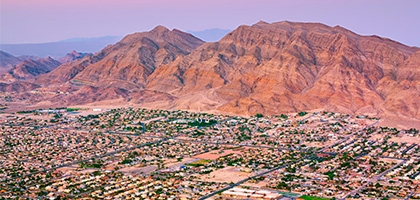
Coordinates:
(213,155)
(406,139)
(225,175)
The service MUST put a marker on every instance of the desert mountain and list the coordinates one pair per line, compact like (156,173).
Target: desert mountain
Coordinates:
(288,67)
(17,87)
(263,68)
(29,69)
(7,61)
(72,56)
(128,63)
(60,48)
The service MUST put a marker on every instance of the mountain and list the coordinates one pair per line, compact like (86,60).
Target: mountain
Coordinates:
(210,35)
(7,61)
(29,69)
(128,63)
(60,48)
(264,68)
(17,87)
(72,56)
(290,67)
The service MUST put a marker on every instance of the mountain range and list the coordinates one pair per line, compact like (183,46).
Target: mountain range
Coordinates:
(263,68)
(60,48)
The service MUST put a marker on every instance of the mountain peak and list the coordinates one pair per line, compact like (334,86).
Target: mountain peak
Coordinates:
(159,29)
(71,56)
(261,22)
(265,68)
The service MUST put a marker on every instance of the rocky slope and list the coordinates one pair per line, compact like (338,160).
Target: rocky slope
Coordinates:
(288,67)
(128,63)
(29,69)
(72,56)
(263,68)
(7,61)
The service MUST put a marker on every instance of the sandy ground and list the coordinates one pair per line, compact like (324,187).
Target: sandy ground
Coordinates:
(88,171)
(400,123)
(213,155)
(376,136)
(260,184)
(227,174)
(173,165)
(389,160)
(319,144)
(406,139)
(138,170)
(69,169)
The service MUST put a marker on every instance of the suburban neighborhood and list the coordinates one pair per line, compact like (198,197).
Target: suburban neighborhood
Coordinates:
(135,153)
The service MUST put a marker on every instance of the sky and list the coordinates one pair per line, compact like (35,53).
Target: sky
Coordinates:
(30,21)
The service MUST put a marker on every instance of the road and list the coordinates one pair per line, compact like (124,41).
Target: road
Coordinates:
(349,136)
(283,166)
(86,159)
(162,139)
(409,195)
(242,181)
(374,179)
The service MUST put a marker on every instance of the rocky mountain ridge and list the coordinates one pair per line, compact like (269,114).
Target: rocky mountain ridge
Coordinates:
(262,68)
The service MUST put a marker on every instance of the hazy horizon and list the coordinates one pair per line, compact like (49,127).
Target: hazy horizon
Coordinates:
(50,21)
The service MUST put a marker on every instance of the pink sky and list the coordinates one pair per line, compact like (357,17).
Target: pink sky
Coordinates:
(33,21)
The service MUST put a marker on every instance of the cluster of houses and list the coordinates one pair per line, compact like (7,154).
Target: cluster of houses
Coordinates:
(159,154)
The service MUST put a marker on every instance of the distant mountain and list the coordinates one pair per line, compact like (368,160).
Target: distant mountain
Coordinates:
(29,69)
(210,35)
(7,61)
(72,56)
(128,63)
(60,48)
(265,68)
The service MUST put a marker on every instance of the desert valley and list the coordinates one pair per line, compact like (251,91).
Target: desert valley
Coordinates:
(283,110)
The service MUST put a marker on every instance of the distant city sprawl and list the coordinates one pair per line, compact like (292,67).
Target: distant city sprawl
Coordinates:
(134,153)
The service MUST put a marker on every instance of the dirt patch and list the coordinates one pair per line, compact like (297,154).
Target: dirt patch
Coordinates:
(260,184)
(375,137)
(213,155)
(138,170)
(227,174)
(400,123)
(389,160)
(406,139)
(319,144)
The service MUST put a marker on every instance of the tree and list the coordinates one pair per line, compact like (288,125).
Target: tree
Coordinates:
(259,115)
(302,113)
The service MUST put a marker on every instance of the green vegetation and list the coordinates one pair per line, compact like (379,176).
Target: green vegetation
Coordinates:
(198,163)
(243,137)
(91,165)
(283,186)
(25,111)
(203,123)
(330,175)
(259,115)
(97,173)
(306,197)
(302,113)
(58,115)
(126,161)
(284,116)
(72,109)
